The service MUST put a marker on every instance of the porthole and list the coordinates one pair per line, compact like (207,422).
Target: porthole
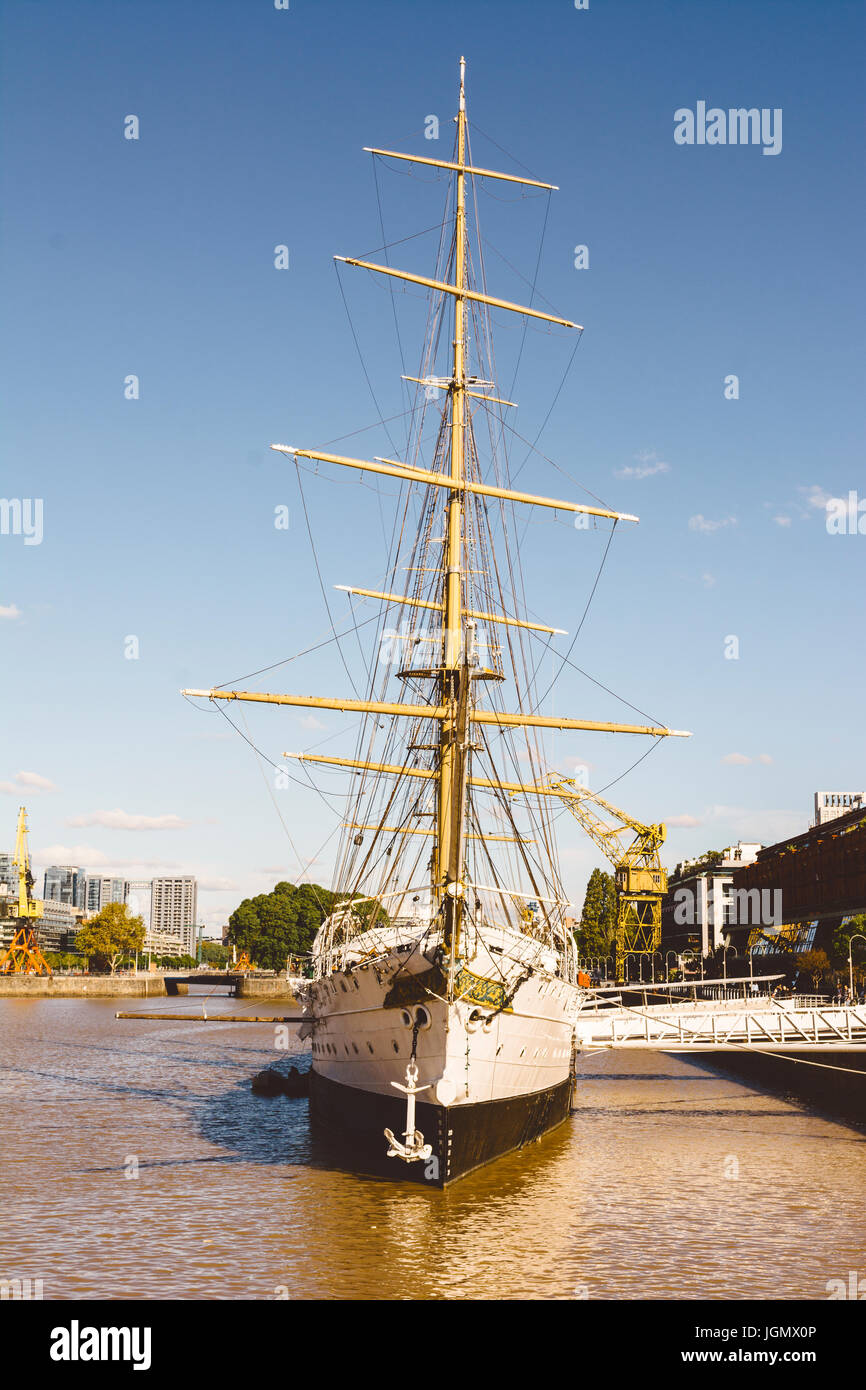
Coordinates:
(355,1046)
(396,1046)
(406,1018)
(423,1017)
(370,1046)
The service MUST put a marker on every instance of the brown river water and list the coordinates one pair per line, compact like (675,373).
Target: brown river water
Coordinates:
(136,1163)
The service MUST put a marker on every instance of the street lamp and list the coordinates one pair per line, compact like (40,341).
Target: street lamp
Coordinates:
(851,940)
(725,950)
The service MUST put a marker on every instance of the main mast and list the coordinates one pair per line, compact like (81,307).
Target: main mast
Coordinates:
(453,706)
(455,675)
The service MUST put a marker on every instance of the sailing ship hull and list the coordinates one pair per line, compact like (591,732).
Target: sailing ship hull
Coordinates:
(494,1064)
(462,1137)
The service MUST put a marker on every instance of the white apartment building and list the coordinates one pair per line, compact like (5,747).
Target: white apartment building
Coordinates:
(701,896)
(831,805)
(173,912)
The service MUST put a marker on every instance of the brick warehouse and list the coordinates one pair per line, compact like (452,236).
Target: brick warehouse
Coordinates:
(822,877)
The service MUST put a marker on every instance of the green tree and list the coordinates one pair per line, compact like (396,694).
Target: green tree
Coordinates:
(596,934)
(272,926)
(214,953)
(64,960)
(109,936)
(815,965)
(841,944)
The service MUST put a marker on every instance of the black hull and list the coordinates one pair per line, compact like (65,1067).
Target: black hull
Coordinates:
(463,1137)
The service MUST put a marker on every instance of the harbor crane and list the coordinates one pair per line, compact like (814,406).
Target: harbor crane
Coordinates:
(23,956)
(633,850)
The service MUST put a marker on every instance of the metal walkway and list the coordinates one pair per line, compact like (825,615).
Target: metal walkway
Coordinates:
(719,1025)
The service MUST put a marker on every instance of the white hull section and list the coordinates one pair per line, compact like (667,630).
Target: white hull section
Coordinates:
(509,1035)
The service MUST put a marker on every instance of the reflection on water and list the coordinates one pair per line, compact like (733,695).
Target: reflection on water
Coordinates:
(670,1181)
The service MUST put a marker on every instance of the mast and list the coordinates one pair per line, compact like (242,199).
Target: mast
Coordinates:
(451,706)
(454,678)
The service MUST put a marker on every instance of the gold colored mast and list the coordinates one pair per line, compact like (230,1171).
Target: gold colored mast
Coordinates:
(455,677)
(452,672)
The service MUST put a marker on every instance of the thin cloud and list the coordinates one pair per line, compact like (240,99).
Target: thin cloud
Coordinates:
(648,465)
(740,759)
(85,855)
(31,782)
(684,822)
(123,820)
(91,858)
(9,610)
(815,496)
(782,520)
(701,523)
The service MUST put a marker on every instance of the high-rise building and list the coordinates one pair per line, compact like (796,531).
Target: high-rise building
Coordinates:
(98,892)
(57,928)
(173,911)
(832,805)
(64,883)
(8,874)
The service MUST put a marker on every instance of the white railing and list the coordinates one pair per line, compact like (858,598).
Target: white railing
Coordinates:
(686,1028)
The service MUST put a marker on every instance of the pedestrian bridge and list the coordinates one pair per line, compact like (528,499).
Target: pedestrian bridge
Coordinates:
(716,1025)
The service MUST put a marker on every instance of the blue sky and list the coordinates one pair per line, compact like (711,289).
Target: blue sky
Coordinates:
(155,257)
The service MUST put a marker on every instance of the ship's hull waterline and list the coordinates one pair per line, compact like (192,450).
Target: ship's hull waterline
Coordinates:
(494,1065)
(462,1137)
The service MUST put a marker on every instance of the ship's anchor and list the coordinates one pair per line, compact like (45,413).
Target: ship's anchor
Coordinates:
(414,1147)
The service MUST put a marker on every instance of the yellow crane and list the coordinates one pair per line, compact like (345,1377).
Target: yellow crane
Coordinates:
(633,850)
(23,956)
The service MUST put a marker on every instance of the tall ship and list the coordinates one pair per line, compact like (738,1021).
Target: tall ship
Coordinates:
(446,986)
